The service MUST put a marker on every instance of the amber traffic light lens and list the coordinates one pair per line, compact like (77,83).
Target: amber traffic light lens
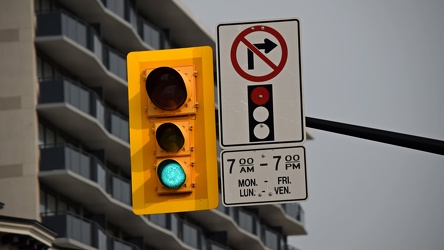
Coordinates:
(166,88)
(170,137)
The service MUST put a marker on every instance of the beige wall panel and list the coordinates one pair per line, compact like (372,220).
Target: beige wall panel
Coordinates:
(19,154)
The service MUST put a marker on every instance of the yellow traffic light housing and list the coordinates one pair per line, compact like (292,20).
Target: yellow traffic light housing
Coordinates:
(172,130)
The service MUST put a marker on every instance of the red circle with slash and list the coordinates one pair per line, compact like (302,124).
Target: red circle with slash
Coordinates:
(241,39)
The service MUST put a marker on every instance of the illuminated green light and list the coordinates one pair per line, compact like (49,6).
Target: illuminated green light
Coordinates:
(171,174)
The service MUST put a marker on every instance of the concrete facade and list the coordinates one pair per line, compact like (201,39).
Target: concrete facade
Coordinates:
(18,116)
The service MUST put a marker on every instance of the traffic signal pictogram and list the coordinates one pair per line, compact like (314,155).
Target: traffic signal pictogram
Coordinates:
(260,113)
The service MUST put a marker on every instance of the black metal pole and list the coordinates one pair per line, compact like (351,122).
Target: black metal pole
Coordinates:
(398,139)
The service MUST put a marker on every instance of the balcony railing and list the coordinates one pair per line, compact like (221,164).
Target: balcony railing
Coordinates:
(116,6)
(148,32)
(212,245)
(294,210)
(245,219)
(67,157)
(186,231)
(272,239)
(70,226)
(62,23)
(121,188)
(117,125)
(250,221)
(67,91)
(115,62)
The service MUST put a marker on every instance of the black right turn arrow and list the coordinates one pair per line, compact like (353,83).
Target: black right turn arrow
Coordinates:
(267,46)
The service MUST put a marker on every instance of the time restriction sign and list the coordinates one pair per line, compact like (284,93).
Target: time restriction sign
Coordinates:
(263,176)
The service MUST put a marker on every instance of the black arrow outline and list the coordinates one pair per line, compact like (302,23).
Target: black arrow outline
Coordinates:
(267,46)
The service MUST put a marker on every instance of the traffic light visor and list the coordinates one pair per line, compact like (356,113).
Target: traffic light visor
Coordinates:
(166,88)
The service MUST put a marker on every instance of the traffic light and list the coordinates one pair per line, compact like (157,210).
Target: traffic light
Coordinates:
(172,130)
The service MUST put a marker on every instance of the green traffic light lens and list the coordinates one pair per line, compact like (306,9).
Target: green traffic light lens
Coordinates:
(170,137)
(166,88)
(171,174)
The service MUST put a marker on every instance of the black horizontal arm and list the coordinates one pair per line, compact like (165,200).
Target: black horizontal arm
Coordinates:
(398,139)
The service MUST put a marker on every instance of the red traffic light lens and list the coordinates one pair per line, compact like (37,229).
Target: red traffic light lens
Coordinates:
(166,88)
(170,137)
(260,95)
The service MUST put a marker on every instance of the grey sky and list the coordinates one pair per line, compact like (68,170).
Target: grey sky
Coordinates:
(374,63)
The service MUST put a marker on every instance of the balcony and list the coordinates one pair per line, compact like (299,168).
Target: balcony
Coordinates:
(216,246)
(83,178)
(80,112)
(175,17)
(295,211)
(187,232)
(115,17)
(76,46)
(74,232)
(243,228)
(288,216)
(135,32)
(246,227)
(272,239)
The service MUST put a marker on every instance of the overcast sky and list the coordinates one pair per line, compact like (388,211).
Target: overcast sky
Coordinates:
(373,63)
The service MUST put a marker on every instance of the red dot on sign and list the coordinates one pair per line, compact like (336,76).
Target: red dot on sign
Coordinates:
(260,95)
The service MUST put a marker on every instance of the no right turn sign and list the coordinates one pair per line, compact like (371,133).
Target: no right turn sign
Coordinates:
(260,86)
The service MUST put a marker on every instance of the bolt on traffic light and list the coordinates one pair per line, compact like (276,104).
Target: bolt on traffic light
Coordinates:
(172,130)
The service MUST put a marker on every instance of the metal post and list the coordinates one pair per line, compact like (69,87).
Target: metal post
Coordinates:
(398,139)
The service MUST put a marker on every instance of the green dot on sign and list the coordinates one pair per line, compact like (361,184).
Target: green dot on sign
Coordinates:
(171,174)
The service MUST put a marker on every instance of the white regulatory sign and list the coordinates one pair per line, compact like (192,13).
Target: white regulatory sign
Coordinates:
(263,176)
(260,84)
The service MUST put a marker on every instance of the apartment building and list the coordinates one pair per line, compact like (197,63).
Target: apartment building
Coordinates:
(64,144)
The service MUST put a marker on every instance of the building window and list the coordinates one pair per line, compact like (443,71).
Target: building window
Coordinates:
(50,204)
(62,206)
(45,70)
(41,135)
(42,201)
(271,239)
(50,137)
(47,136)
(174,224)
(150,34)
(51,207)
(246,221)
(60,140)
(43,6)
(190,235)
(132,16)
(48,71)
